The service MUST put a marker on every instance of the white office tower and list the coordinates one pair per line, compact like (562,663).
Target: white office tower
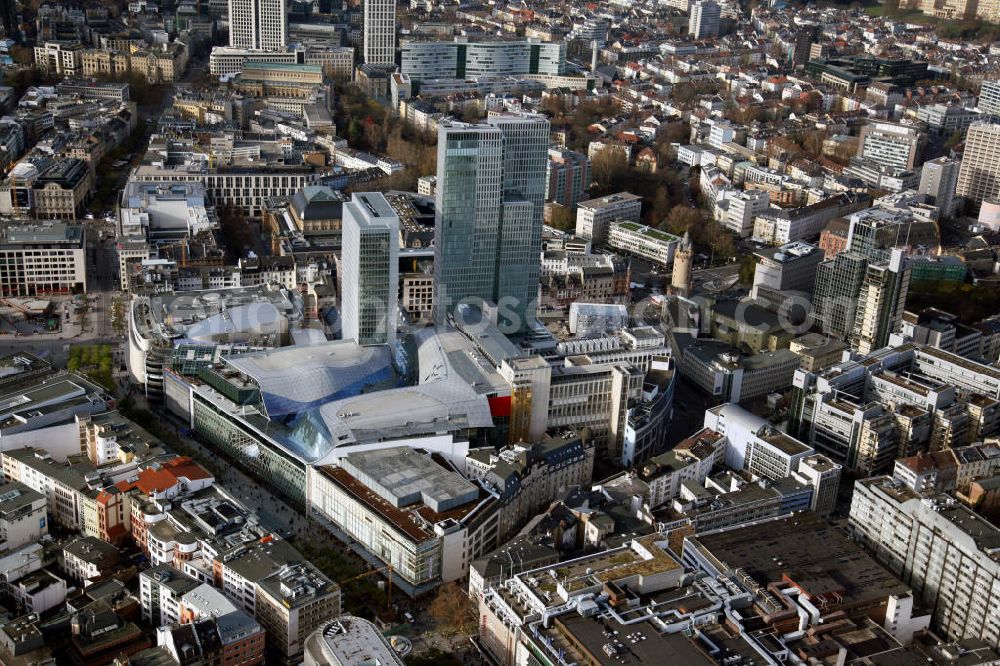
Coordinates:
(490,198)
(706,15)
(380,33)
(979,175)
(938,180)
(258,24)
(891,145)
(369,284)
(989,98)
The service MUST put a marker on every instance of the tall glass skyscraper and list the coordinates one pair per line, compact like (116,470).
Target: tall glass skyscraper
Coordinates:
(370,276)
(490,198)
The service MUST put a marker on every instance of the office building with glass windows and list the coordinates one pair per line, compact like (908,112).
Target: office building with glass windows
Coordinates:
(258,24)
(370,270)
(490,198)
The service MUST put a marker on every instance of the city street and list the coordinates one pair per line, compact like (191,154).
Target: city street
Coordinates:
(278,516)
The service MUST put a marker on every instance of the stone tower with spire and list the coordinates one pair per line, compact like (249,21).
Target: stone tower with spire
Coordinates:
(680,280)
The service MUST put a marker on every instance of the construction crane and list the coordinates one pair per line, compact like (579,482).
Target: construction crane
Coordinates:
(387,569)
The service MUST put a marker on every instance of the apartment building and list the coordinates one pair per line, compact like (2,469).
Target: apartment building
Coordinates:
(63,487)
(225,632)
(743,210)
(784,225)
(948,470)
(529,477)
(567,178)
(161,589)
(659,479)
(88,559)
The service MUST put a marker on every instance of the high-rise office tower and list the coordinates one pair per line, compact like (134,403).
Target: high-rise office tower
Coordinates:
(490,196)
(370,280)
(989,98)
(467,212)
(838,283)
(258,24)
(979,175)
(706,17)
(891,145)
(881,302)
(861,300)
(938,180)
(380,33)
(525,158)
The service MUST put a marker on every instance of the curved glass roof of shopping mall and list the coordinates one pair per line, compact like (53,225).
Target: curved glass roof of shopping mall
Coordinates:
(295,379)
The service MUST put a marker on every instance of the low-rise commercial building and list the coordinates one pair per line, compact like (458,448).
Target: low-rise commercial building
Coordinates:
(420,508)
(642,241)
(23,517)
(44,258)
(349,641)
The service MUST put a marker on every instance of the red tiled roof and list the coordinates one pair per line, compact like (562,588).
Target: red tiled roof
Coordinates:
(152,480)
